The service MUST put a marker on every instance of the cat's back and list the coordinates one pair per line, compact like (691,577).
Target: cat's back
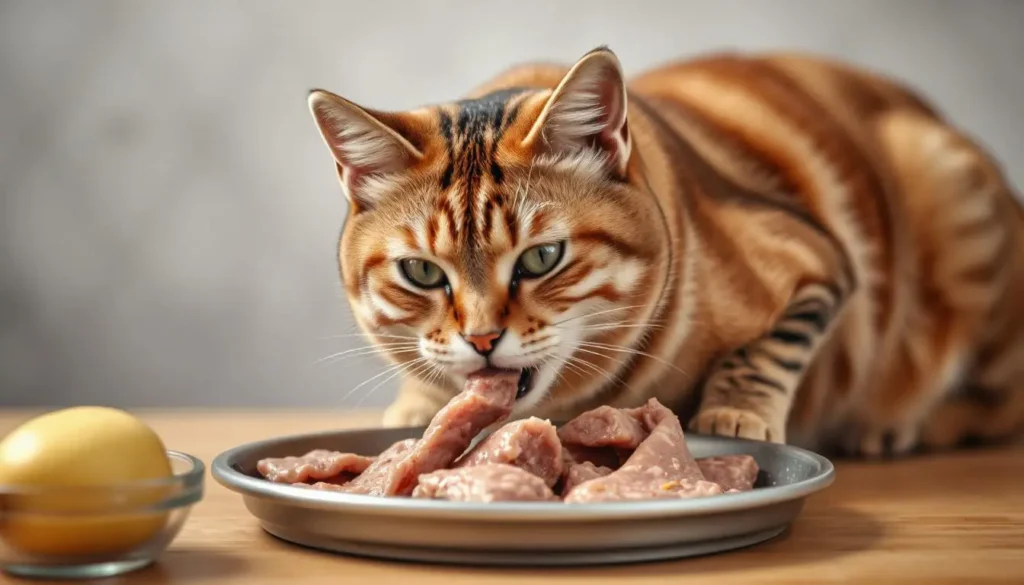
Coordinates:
(797,128)
(787,122)
(844,141)
(786,82)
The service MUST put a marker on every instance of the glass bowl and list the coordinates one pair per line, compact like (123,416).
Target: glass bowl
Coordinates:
(88,533)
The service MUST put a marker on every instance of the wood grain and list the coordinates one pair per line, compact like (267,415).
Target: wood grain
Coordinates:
(955,518)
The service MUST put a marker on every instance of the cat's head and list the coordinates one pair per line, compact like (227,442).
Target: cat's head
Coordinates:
(511,230)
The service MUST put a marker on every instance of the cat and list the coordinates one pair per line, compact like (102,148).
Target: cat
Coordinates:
(779,246)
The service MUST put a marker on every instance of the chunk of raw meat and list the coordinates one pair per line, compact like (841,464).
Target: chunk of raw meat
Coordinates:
(326,486)
(604,426)
(374,478)
(578,473)
(599,456)
(732,472)
(333,483)
(661,466)
(486,398)
(531,444)
(490,482)
(318,464)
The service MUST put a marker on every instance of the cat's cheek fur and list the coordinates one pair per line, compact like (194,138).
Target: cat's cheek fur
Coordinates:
(462,360)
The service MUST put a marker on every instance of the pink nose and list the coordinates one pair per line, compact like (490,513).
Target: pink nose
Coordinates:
(484,343)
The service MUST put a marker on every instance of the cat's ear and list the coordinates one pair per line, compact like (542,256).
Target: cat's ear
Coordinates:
(366,145)
(587,110)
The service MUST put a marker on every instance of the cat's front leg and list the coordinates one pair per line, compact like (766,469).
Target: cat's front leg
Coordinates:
(415,406)
(750,391)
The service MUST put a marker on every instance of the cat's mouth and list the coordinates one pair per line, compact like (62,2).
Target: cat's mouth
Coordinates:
(525,383)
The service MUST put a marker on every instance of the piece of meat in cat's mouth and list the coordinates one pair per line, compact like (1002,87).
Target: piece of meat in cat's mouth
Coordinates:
(525,383)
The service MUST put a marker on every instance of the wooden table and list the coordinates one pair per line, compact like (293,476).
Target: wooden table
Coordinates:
(930,521)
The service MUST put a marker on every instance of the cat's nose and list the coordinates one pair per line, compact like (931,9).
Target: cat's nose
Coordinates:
(484,343)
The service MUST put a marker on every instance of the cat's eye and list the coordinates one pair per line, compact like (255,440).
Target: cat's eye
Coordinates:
(539,260)
(422,273)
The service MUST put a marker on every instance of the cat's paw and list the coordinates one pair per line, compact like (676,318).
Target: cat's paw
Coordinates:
(727,421)
(401,414)
(875,442)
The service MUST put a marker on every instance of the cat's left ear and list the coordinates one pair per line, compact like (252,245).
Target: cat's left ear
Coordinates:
(587,111)
(366,144)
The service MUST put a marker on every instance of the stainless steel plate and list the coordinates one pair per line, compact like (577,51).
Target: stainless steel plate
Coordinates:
(521,533)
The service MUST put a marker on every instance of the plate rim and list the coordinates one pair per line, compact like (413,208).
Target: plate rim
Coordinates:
(251,487)
(587,557)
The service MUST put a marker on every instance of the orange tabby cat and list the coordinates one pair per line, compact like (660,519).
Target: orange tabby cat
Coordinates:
(780,247)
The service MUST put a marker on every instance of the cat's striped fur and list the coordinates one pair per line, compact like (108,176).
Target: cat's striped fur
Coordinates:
(778,246)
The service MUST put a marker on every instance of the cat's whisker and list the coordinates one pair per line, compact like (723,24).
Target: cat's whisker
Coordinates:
(369,350)
(605,312)
(410,371)
(379,352)
(385,345)
(382,336)
(383,352)
(576,369)
(612,378)
(560,377)
(436,375)
(435,372)
(388,370)
(617,360)
(630,350)
(604,323)
(617,328)
(613,326)
(609,376)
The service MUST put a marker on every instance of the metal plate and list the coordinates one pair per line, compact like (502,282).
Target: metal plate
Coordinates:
(521,533)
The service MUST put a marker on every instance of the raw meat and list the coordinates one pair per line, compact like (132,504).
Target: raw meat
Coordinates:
(605,426)
(374,478)
(486,398)
(578,473)
(732,472)
(331,484)
(604,436)
(327,486)
(318,464)
(661,466)
(489,482)
(604,455)
(599,456)
(531,444)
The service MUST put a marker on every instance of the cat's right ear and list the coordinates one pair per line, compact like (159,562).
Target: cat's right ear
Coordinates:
(367,146)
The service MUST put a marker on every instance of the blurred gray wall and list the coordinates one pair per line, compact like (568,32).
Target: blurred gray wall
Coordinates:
(170,216)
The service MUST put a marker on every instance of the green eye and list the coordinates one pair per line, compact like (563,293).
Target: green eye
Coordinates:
(422,273)
(539,260)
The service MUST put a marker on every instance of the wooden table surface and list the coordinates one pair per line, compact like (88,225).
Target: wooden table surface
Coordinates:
(945,519)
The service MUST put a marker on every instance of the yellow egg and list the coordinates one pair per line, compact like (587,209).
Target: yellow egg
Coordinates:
(91,448)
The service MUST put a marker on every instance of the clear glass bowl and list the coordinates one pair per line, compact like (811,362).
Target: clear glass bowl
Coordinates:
(91,533)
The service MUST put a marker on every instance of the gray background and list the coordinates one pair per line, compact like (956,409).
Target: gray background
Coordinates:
(169,215)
